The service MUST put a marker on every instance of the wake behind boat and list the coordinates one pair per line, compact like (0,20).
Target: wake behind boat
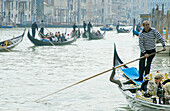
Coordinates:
(134,90)
(37,42)
(6,45)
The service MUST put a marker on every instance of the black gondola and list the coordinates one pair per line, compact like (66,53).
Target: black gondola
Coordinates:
(6,45)
(37,42)
(122,30)
(94,36)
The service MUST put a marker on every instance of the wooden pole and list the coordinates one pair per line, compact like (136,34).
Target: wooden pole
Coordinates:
(159,19)
(162,19)
(156,17)
(167,24)
(134,25)
(95,76)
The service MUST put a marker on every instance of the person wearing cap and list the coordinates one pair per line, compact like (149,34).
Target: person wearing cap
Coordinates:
(34,27)
(167,92)
(147,44)
(154,85)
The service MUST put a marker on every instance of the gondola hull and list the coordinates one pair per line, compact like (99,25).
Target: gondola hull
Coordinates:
(93,36)
(123,30)
(106,29)
(11,43)
(37,42)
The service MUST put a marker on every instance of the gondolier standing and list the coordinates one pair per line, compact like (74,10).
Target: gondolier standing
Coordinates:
(84,26)
(74,27)
(34,27)
(42,25)
(89,27)
(147,44)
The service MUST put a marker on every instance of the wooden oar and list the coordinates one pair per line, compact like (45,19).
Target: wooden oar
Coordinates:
(5,49)
(46,37)
(95,76)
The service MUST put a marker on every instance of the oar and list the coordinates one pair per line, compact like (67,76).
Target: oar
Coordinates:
(95,76)
(5,49)
(46,37)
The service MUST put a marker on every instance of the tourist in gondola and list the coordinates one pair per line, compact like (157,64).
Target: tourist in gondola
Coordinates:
(167,92)
(74,27)
(34,27)
(63,37)
(84,26)
(59,36)
(98,33)
(153,85)
(147,46)
(89,27)
(42,25)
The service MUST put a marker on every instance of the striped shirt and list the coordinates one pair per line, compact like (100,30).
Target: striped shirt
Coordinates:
(147,40)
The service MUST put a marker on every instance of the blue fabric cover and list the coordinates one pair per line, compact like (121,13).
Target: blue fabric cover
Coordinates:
(132,73)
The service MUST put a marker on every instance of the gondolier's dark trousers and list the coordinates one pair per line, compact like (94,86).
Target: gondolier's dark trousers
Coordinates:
(146,68)
(33,32)
(42,32)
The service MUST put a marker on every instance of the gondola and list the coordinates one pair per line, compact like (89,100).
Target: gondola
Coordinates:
(106,29)
(122,30)
(131,89)
(6,45)
(94,36)
(37,42)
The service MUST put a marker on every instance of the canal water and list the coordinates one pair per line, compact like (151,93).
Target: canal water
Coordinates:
(29,73)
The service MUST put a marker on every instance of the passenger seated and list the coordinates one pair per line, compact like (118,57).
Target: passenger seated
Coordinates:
(167,92)
(98,32)
(155,85)
(55,39)
(63,38)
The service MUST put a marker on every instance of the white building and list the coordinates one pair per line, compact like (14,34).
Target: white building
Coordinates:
(15,12)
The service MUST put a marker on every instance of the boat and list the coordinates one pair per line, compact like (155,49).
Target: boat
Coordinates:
(124,77)
(84,35)
(123,30)
(37,42)
(7,26)
(94,36)
(6,45)
(106,28)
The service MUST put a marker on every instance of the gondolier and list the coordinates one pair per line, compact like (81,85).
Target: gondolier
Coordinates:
(74,27)
(89,27)
(147,46)
(34,27)
(42,25)
(84,26)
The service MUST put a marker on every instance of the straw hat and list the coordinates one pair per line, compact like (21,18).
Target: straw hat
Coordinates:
(158,75)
